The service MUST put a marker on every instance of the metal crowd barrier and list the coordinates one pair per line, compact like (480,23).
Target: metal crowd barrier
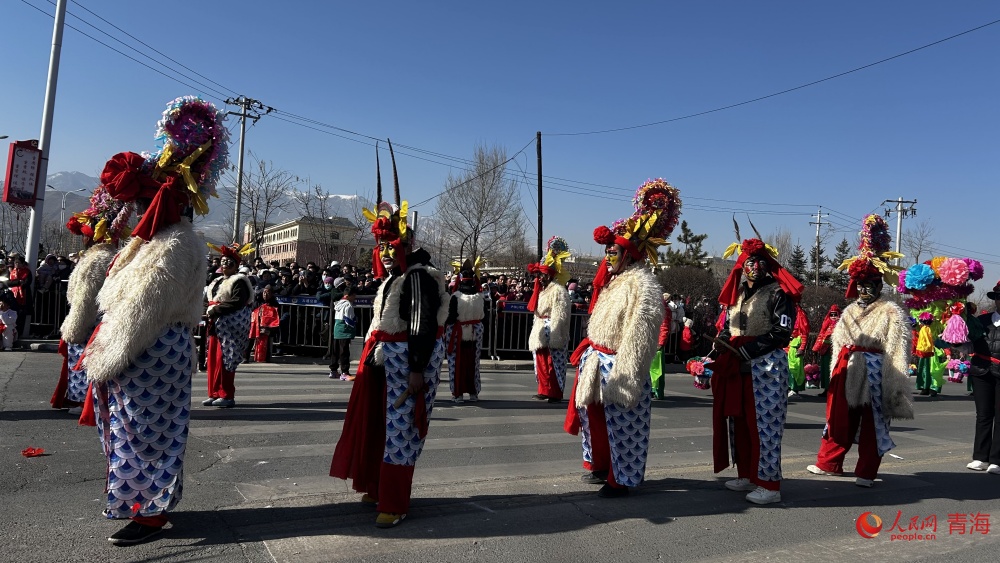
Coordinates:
(511,325)
(48,309)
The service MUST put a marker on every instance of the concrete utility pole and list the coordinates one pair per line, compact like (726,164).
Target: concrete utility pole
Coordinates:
(35,222)
(819,223)
(248,108)
(538,151)
(900,213)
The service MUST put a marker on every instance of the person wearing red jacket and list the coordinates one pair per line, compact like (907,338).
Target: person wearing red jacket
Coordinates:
(824,346)
(265,320)
(687,340)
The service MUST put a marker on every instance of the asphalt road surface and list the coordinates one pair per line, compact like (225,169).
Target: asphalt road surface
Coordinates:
(498,481)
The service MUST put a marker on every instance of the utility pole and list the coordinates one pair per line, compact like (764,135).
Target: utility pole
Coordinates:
(538,151)
(819,223)
(900,213)
(248,108)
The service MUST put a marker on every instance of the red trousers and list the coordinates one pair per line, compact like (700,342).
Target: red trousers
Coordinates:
(843,423)
(545,369)
(600,446)
(395,484)
(221,383)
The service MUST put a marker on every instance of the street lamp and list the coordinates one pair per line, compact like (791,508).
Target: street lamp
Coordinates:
(62,212)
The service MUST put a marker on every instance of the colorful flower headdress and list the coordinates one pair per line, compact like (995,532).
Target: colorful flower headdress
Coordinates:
(657,210)
(939,287)
(756,247)
(183,172)
(872,261)
(234,251)
(550,265)
(105,221)
(388,220)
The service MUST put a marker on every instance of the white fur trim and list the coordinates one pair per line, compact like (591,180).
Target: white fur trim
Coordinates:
(81,293)
(553,302)
(883,326)
(757,312)
(626,319)
(387,318)
(161,285)
(470,308)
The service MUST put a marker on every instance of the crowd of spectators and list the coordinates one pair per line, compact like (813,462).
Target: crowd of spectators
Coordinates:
(40,291)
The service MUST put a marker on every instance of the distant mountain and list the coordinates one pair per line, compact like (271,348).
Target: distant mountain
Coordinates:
(67,184)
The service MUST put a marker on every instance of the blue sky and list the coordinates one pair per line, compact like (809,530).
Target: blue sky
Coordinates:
(443,76)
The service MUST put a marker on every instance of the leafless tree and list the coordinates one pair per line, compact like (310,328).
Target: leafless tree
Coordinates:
(13,227)
(480,207)
(266,191)
(917,241)
(781,239)
(55,238)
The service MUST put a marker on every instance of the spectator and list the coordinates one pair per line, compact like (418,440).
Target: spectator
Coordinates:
(47,275)
(8,321)
(344,323)
(213,270)
(265,320)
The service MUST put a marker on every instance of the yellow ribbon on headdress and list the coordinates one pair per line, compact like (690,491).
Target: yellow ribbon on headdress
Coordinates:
(555,261)
(737,247)
(890,272)
(399,217)
(183,168)
(637,231)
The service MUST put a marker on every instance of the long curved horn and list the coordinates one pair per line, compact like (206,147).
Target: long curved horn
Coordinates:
(737,227)
(755,231)
(395,177)
(378,178)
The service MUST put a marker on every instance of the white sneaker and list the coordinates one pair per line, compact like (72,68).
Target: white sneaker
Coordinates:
(75,410)
(457,400)
(742,484)
(867,483)
(473,398)
(815,470)
(994,469)
(764,496)
(977,465)
(793,393)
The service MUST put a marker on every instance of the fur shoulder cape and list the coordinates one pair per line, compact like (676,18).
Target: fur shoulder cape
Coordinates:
(553,302)
(387,318)
(881,326)
(81,293)
(626,319)
(152,285)
(470,308)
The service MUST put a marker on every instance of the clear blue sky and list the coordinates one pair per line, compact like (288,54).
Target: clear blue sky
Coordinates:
(443,76)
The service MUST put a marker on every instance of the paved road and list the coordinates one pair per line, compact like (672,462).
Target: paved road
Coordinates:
(498,481)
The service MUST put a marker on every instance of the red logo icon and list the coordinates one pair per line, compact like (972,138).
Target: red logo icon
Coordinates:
(868,525)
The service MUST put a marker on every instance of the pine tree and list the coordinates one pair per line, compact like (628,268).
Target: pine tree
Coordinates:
(797,263)
(824,274)
(692,255)
(839,279)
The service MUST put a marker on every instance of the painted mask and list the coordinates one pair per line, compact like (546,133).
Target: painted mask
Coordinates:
(869,291)
(387,253)
(754,268)
(617,258)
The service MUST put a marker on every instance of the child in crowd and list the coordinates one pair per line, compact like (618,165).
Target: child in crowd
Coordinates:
(344,323)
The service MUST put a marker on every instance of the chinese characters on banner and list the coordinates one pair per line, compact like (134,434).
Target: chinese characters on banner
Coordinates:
(23,163)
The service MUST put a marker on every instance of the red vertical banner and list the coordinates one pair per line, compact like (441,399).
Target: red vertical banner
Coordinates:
(24,161)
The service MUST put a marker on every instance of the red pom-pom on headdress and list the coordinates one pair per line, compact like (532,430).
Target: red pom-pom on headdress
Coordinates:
(603,235)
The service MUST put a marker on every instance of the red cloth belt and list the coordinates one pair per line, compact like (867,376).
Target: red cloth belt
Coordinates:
(577,354)
(851,349)
(985,357)
(456,334)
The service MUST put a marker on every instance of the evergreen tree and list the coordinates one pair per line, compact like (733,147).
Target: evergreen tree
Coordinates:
(797,263)
(839,279)
(821,259)
(692,255)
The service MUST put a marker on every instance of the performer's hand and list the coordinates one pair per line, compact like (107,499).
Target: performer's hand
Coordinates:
(416,384)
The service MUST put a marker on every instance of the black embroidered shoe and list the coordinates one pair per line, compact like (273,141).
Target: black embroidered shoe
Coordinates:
(133,533)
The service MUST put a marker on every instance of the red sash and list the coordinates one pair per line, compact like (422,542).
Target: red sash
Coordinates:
(572,422)
(728,398)
(985,357)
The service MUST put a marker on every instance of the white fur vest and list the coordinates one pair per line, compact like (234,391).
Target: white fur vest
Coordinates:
(81,293)
(882,326)
(626,319)
(470,308)
(152,285)
(553,302)
(220,290)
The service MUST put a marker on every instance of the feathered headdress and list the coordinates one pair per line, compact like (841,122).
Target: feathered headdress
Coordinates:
(193,152)
(234,251)
(872,261)
(104,221)
(756,247)
(657,210)
(388,220)
(551,265)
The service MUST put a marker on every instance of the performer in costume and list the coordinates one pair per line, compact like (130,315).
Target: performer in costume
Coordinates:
(549,335)
(824,345)
(796,349)
(868,386)
(399,368)
(230,298)
(94,225)
(464,332)
(141,356)
(750,384)
(612,395)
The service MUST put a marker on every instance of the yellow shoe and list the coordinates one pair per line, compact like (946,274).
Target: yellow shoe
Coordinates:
(368,499)
(388,520)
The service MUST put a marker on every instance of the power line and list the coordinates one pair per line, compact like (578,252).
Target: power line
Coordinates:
(786,91)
